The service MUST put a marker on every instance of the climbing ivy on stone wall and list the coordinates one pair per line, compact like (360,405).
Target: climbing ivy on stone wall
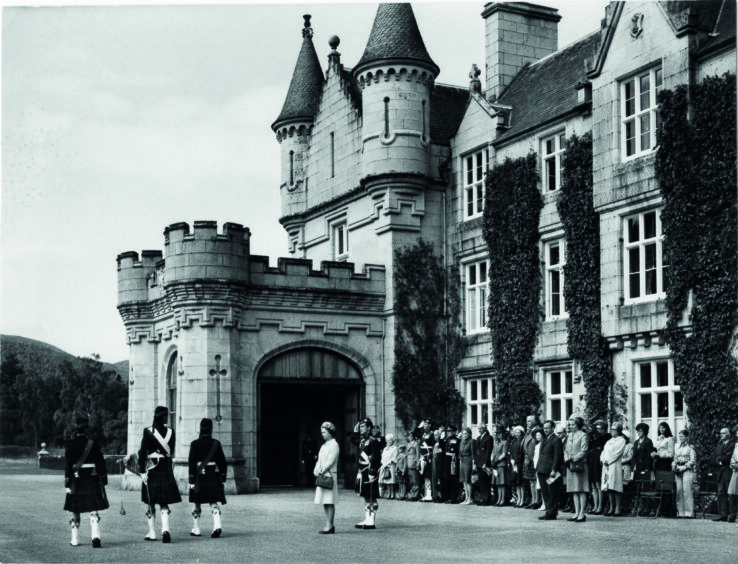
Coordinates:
(510,226)
(429,341)
(696,171)
(582,288)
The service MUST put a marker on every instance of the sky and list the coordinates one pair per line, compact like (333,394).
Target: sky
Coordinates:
(118,120)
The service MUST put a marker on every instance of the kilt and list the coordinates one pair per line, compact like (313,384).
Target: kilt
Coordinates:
(368,490)
(89,495)
(210,488)
(529,472)
(161,487)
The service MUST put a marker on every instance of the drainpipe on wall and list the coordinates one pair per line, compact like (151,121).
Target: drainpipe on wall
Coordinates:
(384,419)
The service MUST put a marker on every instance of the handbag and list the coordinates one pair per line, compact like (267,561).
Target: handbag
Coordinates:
(324,481)
(577,466)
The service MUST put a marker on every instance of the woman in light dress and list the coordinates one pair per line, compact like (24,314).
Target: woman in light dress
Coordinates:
(388,471)
(612,469)
(685,461)
(327,464)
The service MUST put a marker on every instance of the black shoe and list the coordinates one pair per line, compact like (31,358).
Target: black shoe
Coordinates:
(149,539)
(543,517)
(330,531)
(731,519)
(369,527)
(96,543)
(194,535)
(720,519)
(581,519)
(572,519)
(216,533)
(166,538)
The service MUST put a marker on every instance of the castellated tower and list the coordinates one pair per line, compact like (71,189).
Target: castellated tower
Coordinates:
(396,77)
(295,122)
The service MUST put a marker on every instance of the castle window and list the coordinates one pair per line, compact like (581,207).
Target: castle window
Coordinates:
(476,296)
(475,166)
(333,154)
(559,395)
(639,112)
(480,395)
(554,264)
(424,134)
(386,117)
(340,241)
(552,149)
(292,168)
(644,271)
(658,397)
(172,390)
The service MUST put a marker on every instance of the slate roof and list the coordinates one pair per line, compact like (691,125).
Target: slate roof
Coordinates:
(395,37)
(448,105)
(303,95)
(545,90)
(723,26)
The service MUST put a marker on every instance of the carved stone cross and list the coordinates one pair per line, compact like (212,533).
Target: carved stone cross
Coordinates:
(217,372)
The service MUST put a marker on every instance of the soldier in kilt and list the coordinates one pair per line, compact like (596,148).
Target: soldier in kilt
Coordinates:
(369,462)
(155,466)
(208,471)
(85,478)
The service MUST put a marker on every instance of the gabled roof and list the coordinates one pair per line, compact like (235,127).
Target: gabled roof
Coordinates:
(395,37)
(448,104)
(546,90)
(303,95)
(723,27)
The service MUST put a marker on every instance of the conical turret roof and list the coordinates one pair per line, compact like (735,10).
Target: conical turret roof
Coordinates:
(305,88)
(395,37)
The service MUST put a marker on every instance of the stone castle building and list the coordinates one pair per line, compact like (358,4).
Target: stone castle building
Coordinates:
(379,155)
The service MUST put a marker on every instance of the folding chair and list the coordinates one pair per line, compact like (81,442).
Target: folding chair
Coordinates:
(706,497)
(665,486)
(645,493)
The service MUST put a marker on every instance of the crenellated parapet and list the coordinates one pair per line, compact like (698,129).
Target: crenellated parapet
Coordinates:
(134,275)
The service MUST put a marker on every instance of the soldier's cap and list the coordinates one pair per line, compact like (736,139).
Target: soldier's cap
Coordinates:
(160,410)
(206,426)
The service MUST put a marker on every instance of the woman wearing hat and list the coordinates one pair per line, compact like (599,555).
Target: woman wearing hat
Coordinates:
(369,463)
(327,464)
(85,478)
(155,465)
(208,471)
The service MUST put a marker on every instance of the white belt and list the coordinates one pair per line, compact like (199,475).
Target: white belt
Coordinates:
(87,466)
(157,455)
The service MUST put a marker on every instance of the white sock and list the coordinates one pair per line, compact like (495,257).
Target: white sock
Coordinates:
(95,526)
(164,520)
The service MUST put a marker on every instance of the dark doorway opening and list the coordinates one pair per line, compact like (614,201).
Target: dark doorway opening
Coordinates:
(292,411)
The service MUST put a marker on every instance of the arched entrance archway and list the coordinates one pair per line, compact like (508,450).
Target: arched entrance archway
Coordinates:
(298,390)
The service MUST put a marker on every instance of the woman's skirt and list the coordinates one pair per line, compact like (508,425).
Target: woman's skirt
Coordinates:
(209,488)
(160,488)
(325,496)
(595,471)
(499,476)
(577,482)
(89,495)
(733,485)
(465,470)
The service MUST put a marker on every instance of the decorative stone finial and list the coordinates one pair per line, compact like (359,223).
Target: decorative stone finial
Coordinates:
(307,31)
(334,42)
(475,85)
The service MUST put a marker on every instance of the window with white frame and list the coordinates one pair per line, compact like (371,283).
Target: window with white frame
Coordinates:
(476,296)
(552,150)
(480,394)
(643,260)
(474,167)
(639,112)
(658,397)
(554,263)
(340,240)
(559,395)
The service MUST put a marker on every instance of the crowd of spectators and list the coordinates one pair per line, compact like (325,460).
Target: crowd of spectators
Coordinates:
(577,468)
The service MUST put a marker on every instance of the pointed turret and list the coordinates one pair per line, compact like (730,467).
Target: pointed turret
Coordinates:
(395,38)
(303,96)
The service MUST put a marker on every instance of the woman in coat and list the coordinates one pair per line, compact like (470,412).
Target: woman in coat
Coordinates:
(327,463)
(612,469)
(517,457)
(85,478)
(388,471)
(685,462)
(499,456)
(466,463)
(575,455)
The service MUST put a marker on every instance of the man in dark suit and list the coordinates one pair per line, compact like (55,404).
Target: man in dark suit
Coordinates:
(482,451)
(550,464)
(723,452)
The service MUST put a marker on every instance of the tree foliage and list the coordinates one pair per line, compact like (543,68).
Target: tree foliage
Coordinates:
(429,341)
(696,171)
(511,214)
(582,288)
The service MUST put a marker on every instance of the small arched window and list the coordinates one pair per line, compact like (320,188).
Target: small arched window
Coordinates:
(172,389)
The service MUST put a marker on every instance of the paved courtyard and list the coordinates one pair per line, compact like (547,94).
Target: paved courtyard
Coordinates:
(281,526)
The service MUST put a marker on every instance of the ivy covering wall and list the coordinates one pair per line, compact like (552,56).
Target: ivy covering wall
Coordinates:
(510,226)
(696,171)
(429,341)
(582,288)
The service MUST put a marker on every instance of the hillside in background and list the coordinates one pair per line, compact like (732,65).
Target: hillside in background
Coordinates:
(31,352)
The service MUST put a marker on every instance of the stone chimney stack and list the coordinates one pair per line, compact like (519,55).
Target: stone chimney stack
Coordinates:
(516,33)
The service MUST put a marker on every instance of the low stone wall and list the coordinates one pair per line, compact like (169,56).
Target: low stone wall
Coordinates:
(56,462)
